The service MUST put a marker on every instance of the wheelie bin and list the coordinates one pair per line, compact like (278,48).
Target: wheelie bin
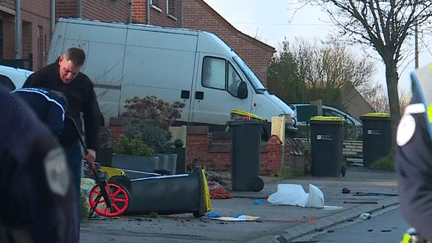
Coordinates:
(327,135)
(245,155)
(377,137)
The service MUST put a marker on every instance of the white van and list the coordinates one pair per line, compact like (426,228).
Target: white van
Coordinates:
(193,67)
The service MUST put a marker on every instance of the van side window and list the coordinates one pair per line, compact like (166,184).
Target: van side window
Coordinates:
(7,83)
(213,73)
(233,80)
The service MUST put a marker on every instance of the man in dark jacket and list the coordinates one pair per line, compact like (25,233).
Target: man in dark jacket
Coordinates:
(414,155)
(37,199)
(65,76)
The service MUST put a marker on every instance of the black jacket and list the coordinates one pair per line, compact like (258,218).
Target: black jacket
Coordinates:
(37,194)
(414,167)
(80,96)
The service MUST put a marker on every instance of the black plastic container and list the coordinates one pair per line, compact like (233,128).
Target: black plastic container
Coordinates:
(173,194)
(377,137)
(327,135)
(245,155)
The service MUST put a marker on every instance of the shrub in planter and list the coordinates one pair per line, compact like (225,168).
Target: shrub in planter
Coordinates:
(134,146)
(151,108)
(156,137)
(151,117)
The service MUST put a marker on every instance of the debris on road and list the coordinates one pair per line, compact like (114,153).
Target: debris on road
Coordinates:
(294,195)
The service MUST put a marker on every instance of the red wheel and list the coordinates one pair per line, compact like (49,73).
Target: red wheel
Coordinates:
(119,197)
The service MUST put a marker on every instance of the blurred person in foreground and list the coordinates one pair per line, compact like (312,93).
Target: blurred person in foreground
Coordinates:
(414,155)
(37,203)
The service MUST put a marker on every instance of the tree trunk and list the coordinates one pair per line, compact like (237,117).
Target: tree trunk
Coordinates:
(392,78)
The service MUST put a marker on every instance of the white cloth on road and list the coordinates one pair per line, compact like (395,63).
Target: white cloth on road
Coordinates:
(295,195)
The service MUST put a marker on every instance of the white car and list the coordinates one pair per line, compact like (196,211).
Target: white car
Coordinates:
(13,78)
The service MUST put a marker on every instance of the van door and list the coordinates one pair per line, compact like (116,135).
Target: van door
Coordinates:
(217,91)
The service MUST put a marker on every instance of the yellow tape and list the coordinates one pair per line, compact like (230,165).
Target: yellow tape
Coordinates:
(429,112)
(406,239)
(207,200)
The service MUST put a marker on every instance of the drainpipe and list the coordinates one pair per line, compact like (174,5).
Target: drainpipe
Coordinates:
(53,17)
(181,13)
(148,11)
(18,29)
(130,11)
(80,2)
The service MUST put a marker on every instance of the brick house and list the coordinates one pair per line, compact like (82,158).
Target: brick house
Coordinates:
(103,10)
(35,30)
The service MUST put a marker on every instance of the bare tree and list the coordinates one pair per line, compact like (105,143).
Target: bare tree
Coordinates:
(376,97)
(308,70)
(383,24)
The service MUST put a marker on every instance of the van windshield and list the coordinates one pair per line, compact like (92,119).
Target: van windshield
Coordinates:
(253,79)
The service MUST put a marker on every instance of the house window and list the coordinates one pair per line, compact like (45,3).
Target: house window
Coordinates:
(171,4)
(156,4)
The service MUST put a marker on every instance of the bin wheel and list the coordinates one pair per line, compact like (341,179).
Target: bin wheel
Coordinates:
(256,184)
(197,214)
(118,195)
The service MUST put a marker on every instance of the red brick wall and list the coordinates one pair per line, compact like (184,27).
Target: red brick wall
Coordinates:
(198,15)
(8,3)
(139,11)
(270,161)
(66,8)
(197,154)
(34,13)
(106,10)
(159,15)
(9,39)
(103,10)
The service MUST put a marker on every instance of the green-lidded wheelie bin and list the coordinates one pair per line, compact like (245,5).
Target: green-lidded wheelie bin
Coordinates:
(377,137)
(327,135)
(245,155)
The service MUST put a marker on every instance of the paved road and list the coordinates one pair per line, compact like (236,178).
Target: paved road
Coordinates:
(384,226)
(289,221)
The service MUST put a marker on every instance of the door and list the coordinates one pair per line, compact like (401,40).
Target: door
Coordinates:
(216,91)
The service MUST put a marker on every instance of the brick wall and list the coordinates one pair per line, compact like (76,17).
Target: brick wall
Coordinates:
(213,150)
(203,151)
(198,15)
(9,39)
(106,10)
(159,14)
(66,8)
(139,11)
(34,13)
(8,4)
(37,14)
(103,10)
